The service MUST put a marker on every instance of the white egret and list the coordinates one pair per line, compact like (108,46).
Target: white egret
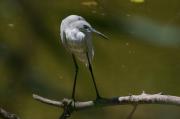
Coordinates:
(76,37)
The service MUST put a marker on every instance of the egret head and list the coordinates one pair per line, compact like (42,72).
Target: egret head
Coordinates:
(82,25)
(85,27)
(72,18)
(75,21)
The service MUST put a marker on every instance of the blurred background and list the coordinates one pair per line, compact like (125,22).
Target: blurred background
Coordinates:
(143,53)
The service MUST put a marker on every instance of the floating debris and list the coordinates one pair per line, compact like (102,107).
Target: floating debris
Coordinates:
(128,15)
(11,25)
(103,14)
(94,11)
(127,44)
(123,66)
(137,1)
(89,3)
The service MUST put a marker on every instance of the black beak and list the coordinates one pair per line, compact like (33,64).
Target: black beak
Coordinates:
(100,34)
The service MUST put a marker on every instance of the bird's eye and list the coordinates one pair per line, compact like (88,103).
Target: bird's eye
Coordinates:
(85,26)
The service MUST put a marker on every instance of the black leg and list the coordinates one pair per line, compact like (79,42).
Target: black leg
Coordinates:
(92,75)
(67,108)
(75,78)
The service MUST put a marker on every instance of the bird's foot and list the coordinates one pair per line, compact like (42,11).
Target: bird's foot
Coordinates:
(101,100)
(74,103)
(68,109)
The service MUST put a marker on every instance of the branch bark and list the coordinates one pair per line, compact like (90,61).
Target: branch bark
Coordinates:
(7,115)
(123,100)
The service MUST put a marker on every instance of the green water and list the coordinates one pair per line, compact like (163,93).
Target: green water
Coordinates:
(142,54)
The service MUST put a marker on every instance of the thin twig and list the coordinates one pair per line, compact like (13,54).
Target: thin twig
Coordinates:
(48,101)
(7,115)
(132,112)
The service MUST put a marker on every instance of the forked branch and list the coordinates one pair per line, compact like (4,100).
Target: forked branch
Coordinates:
(7,115)
(123,100)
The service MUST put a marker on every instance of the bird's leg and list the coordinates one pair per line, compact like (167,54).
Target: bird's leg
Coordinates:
(92,75)
(75,78)
(68,109)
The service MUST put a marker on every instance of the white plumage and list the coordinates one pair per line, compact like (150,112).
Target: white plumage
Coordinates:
(76,36)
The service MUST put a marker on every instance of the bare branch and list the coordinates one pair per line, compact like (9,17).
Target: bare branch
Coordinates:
(6,115)
(123,100)
(132,112)
(47,101)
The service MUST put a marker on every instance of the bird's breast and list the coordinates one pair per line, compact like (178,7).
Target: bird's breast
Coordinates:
(77,44)
(78,48)
(75,40)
